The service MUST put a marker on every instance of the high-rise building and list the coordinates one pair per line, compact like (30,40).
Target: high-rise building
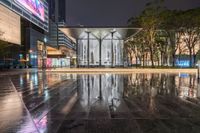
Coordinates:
(62,11)
(57,15)
(24,25)
(57,10)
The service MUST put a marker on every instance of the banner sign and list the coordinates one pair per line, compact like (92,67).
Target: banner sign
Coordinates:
(36,7)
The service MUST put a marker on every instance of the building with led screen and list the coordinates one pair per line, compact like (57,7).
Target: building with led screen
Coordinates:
(35,11)
(24,28)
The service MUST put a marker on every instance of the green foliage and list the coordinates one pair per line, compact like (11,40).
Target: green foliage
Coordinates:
(163,28)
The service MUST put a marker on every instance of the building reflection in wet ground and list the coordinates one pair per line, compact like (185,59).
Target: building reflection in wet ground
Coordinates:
(100,103)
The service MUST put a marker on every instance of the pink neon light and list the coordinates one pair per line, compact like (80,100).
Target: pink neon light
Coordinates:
(34,6)
(49,62)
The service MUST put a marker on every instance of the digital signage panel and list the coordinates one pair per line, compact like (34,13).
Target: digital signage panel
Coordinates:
(36,7)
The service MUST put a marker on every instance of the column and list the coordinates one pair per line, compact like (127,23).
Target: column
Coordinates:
(122,52)
(77,53)
(88,48)
(112,61)
(100,41)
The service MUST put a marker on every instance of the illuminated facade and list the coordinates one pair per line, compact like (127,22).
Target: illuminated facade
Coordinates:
(31,11)
(26,23)
(100,47)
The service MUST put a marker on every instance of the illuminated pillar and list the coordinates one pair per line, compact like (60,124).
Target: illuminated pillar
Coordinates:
(88,48)
(112,54)
(100,41)
(77,53)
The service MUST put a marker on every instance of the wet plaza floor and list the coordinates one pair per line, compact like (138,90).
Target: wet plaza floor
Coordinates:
(41,102)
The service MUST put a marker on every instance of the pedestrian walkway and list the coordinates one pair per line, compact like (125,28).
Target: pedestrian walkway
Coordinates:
(14,117)
(45,100)
(121,70)
(35,102)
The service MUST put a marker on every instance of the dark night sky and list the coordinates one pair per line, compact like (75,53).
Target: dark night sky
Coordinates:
(113,12)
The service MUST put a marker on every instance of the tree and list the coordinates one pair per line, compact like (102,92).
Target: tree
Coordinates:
(191,31)
(128,50)
(149,20)
(162,47)
(178,27)
(181,26)
(136,48)
(171,24)
(140,48)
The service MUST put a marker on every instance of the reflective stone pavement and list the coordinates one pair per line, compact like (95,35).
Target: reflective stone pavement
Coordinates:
(14,117)
(40,102)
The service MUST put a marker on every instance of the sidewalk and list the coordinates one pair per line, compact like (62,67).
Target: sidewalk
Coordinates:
(121,70)
(14,117)
(100,70)
(16,71)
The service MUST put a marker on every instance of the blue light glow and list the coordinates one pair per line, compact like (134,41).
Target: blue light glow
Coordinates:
(183,63)
(184,75)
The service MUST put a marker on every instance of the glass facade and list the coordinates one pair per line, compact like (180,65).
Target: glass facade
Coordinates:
(53,34)
(63,37)
(58,62)
(100,50)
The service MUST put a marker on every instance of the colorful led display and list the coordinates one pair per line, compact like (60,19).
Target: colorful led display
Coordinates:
(36,7)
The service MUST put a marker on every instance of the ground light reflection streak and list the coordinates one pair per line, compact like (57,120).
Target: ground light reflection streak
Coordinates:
(42,123)
(67,108)
(73,102)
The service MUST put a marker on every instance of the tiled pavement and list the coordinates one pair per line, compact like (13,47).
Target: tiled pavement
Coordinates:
(136,121)
(27,103)
(14,117)
(44,101)
(58,107)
